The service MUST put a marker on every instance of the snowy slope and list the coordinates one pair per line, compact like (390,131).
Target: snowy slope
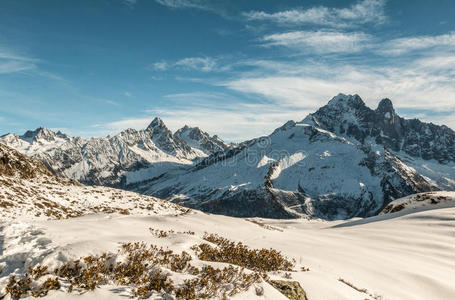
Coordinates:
(50,221)
(29,191)
(384,257)
(115,161)
(421,201)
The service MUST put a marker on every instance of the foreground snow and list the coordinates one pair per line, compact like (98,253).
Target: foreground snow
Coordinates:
(394,256)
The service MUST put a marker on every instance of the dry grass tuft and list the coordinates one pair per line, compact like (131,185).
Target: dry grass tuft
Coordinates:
(165,233)
(263,225)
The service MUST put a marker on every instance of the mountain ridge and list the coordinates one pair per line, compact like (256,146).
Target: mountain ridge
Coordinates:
(113,161)
(269,188)
(344,160)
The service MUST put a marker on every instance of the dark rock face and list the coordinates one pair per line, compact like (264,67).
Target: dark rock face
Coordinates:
(13,163)
(246,203)
(348,115)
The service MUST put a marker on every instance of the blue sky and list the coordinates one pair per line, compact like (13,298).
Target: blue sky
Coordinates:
(238,69)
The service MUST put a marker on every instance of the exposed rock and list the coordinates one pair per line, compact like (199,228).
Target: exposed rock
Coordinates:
(290,289)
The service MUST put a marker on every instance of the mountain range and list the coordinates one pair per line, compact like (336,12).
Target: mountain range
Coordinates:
(345,160)
(119,160)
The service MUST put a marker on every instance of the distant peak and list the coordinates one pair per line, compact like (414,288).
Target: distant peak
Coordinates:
(385,105)
(38,132)
(157,122)
(188,129)
(350,100)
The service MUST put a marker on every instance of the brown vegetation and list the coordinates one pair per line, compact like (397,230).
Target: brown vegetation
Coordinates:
(261,260)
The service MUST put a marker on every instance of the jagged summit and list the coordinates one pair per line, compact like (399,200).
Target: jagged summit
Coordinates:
(348,115)
(201,140)
(194,130)
(346,101)
(39,133)
(386,106)
(157,123)
(43,134)
(130,156)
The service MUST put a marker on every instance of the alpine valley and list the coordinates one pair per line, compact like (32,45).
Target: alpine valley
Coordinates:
(345,160)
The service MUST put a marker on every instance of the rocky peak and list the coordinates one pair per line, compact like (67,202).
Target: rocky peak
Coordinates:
(286,126)
(349,116)
(40,133)
(385,105)
(389,122)
(194,133)
(346,101)
(157,123)
(385,110)
(201,140)
(159,132)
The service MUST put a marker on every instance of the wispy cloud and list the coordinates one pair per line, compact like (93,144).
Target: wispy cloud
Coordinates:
(319,41)
(291,90)
(159,66)
(424,83)
(12,66)
(181,3)
(11,62)
(404,45)
(207,5)
(363,12)
(203,64)
(111,102)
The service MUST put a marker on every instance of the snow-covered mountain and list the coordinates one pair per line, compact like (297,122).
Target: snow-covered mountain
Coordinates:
(342,161)
(116,161)
(198,139)
(345,160)
(29,191)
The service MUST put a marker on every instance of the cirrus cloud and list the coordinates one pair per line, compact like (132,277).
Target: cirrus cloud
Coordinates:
(319,41)
(363,12)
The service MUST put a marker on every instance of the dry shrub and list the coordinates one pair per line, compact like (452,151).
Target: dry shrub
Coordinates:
(261,260)
(18,287)
(140,266)
(49,284)
(215,282)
